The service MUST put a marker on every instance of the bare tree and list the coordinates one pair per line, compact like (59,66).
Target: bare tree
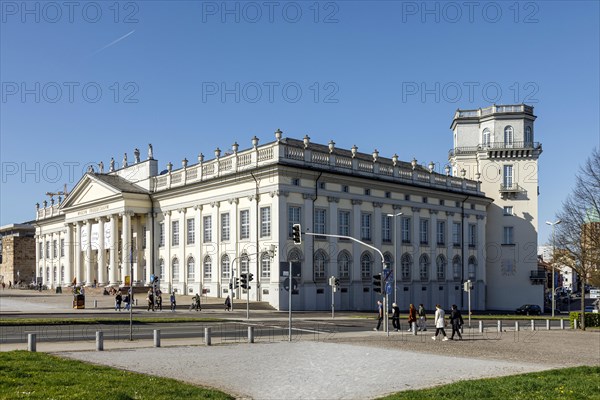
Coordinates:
(578,235)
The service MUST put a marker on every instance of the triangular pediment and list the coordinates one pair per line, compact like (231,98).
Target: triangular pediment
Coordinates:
(90,190)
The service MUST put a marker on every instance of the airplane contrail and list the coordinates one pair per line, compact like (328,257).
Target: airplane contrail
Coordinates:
(113,42)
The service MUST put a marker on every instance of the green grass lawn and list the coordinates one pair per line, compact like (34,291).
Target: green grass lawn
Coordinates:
(569,383)
(25,375)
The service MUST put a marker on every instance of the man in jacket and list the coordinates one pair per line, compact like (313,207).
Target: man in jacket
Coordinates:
(457,321)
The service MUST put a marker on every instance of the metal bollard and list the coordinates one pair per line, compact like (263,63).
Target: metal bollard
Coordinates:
(480,326)
(516,326)
(99,341)
(250,334)
(414,328)
(95,303)
(157,338)
(499,325)
(31,342)
(548,324)
(562,323)
(533,324)
(207,336)
(575,323)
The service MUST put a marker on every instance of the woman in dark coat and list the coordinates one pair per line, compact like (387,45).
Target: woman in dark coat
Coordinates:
(457,321)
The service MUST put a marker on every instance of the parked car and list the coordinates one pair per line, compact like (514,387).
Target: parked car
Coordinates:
(590,309)
(529,309)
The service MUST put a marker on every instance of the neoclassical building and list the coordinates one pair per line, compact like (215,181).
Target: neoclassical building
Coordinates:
(198,226)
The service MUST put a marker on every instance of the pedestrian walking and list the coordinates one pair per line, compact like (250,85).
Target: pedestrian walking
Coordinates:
(228,304)
(422,322)
(159,301)
(457,322)
(439,322)
(396,317)
(412,318)
(10,284)
(150,300)
(118,300)
(173,301)
(379,314)
(127,301)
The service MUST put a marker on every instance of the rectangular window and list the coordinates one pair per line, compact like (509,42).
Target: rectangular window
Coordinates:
(388,195)
(293,218)
(295,181)
(508,177)
(207,223)
(175,233)
(225,226)
(55,248)
(245,224)
(191,230)
(345,188)
(507,237)
(406,225)
(367,192)
(407,197)
(508,211)
(144,236)
(365,226)
(472,235)
(48,249)
(62,248)
(41,249)
(320,218)
(424,231)
(442,202)
(265,221)
(425,200)
(344,223)
(386,228)
(322,185)
(441,233)
(456,233)
(161,234)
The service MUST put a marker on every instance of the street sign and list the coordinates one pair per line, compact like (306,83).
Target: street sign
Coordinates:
(594,293)
(286,284)
(388,288)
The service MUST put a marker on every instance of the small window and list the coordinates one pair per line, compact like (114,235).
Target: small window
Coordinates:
(407,197)
(321,185)
(388,195)
(367,192)
(457,204)
(508,210)
(345,188)
(296,181)
(424,199)
(472,206)
(441,202)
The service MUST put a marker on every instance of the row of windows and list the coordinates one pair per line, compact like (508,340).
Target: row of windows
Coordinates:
(207,267)
(486,136)
(54,249)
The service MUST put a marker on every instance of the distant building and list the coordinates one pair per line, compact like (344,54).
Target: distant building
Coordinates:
(17,253)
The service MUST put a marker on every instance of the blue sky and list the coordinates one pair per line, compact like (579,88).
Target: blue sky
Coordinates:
(85,82)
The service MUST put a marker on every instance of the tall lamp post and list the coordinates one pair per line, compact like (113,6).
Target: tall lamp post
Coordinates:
(395,250)
(553,224)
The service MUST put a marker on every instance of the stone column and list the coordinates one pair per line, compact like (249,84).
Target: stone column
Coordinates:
(88,254)
(137,249)
(68,255)
(126,245)
(77,246)
(101,252)
(37,256)
(114,240)
(149,247)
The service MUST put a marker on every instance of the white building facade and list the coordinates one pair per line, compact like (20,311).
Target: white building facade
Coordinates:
(199,226)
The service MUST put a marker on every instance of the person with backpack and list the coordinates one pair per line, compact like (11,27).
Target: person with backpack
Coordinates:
(228,304)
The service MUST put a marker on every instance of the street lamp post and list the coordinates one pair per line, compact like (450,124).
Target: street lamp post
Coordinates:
(553,224)
(395,250)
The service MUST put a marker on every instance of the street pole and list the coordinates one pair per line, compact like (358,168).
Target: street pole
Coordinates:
(332,300)
(290,304)
(469,296)
(553,224)
(131,295)
(395,251)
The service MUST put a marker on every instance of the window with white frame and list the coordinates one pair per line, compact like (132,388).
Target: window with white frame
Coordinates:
(441,265)
(424,267)
(366,265)
(47,274)
(406,228)
(456,267)
(406,266)
(191,230)
(207,224)
(245,224)
(244,264)
(191,269)
(265,221)
(319,265)
(225,226)
(54,274)
(161,268)
(41,250)
(175,269)
(344,223)
(486,137)
(386,228)
(344,262)
(293,218)
(507,177)
(161,234)
(320,220)
(55,248)
(424,231)
(388,260)
(225,267)
(47,249)
(472,235)
(62,247)
(174,233)
(265,266)
(143,233)
(207,267)
(508,211)
(62,273)
(507,237)
(508,136)
(365,226)
(528,137)
(456,233)
(441,233)
(472,267)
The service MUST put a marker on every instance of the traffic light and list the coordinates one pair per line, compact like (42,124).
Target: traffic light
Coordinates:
(236,283)
(337,282)
(377,283)
(296,236)
(243,281)
(250,277)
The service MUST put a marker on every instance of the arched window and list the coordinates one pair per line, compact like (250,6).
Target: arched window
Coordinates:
(319,265)
(207,268)
(424,267)
(472,267)
(388,259)
(406,263)
(48,274)
(161,268)
(441,265)
(366,262)
(191,267)
(225,268)
(62,273)
(508,136)
(486,139)
(265,266)
(244,264)
(456,265)
(175,267)
(528,137)
(54,274)
(344,262)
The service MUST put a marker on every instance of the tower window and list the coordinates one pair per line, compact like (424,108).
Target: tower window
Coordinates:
(528,137)
(508,136)
(486,137)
